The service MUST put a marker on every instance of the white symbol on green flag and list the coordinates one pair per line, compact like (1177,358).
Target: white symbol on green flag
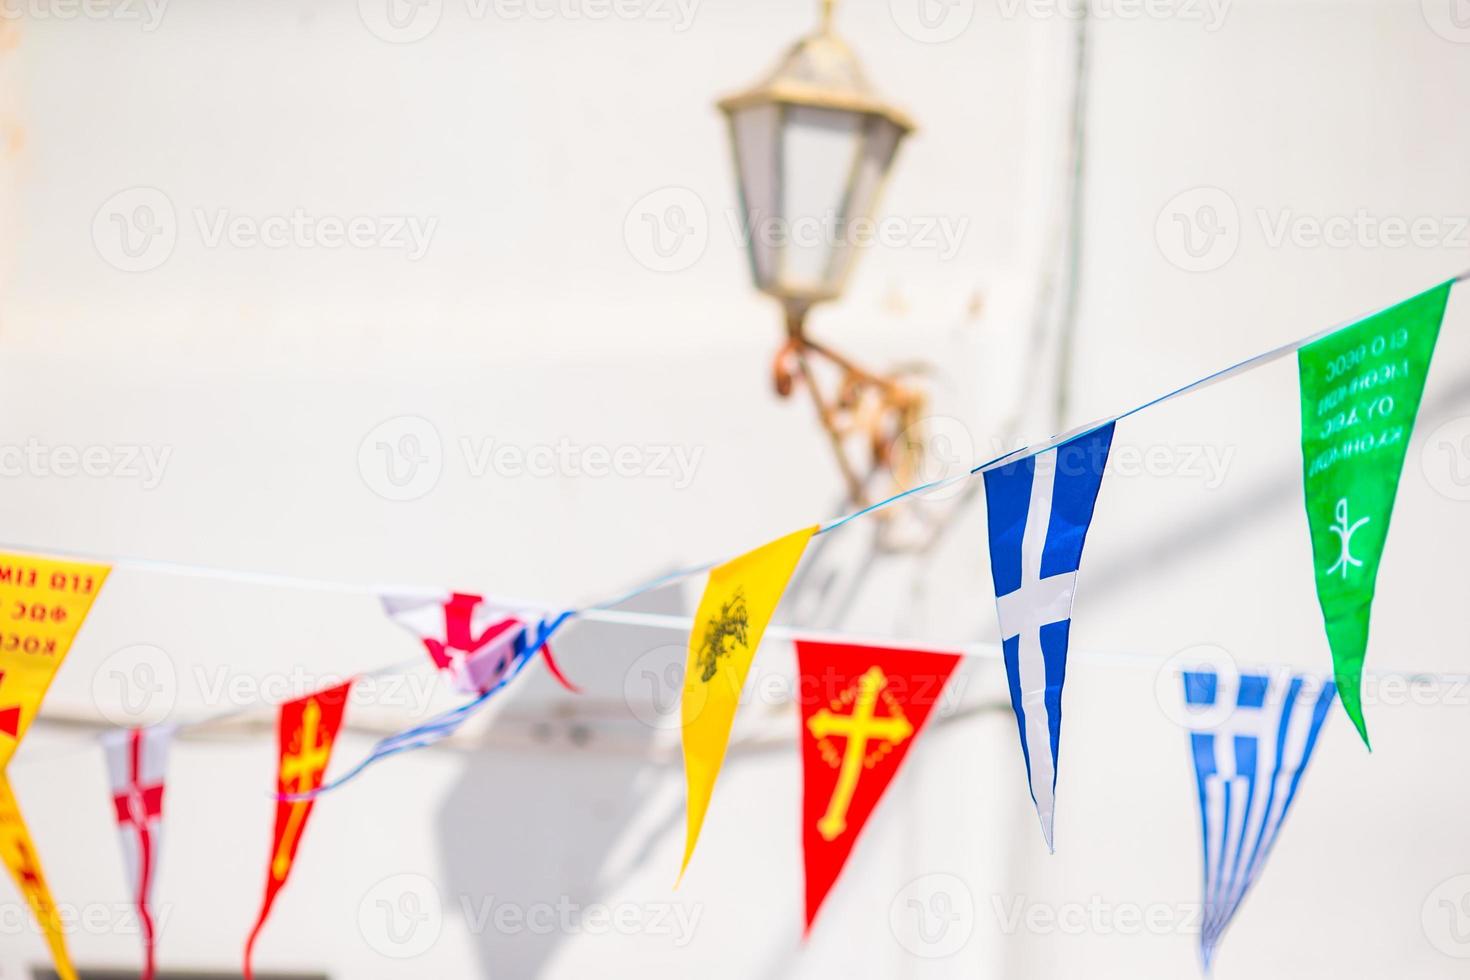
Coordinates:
(1360,389)
(1344,532)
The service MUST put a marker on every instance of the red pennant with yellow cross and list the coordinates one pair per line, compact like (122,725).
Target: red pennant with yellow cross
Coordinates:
(861,709)
(307,733)
(43,603)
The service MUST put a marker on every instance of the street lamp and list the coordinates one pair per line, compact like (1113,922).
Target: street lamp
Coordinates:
(813,145)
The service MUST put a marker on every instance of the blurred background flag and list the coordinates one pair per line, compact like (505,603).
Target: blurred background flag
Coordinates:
(482,643)
(136,762)
(1251,746)
(47,600)
(484,671)
(307,733)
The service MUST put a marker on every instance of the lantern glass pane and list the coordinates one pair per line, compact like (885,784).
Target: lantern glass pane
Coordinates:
(858,233)
(755,130)
(819,156)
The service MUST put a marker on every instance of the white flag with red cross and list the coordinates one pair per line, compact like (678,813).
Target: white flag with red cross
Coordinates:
(136,761)
(479,641)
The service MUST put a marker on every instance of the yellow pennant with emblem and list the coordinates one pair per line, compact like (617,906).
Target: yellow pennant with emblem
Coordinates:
(43,602)
(737,605)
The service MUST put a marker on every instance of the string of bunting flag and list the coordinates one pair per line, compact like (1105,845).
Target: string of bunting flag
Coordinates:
(1252,734)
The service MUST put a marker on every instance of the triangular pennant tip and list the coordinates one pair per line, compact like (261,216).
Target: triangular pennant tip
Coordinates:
(733,613)
(1352,680)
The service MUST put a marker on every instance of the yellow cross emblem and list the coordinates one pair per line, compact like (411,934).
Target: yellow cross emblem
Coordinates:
(299,769)
(858,728)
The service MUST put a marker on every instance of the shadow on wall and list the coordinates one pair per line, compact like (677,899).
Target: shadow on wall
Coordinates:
(525,853)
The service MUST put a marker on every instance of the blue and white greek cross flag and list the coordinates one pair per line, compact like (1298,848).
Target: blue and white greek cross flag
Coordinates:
(1039,508)
(1251,746)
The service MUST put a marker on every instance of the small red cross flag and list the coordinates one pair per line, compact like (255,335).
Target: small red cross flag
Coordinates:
(861,709)
(477,640)
(136,761)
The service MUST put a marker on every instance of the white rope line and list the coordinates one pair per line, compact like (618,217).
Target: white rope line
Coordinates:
(983,651)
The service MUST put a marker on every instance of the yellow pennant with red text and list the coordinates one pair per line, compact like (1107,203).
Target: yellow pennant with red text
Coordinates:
(43,602)
(736,607)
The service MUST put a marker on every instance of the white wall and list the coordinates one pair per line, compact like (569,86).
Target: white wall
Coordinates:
(529,320)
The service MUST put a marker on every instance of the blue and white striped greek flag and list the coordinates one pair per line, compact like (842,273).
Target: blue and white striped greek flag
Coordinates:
(1248,760)
(1039,509)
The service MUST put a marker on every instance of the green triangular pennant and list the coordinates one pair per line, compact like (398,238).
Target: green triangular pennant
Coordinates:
(1360,388)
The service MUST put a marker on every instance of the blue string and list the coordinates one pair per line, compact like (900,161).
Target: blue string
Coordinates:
(441,726)
(1025,451)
